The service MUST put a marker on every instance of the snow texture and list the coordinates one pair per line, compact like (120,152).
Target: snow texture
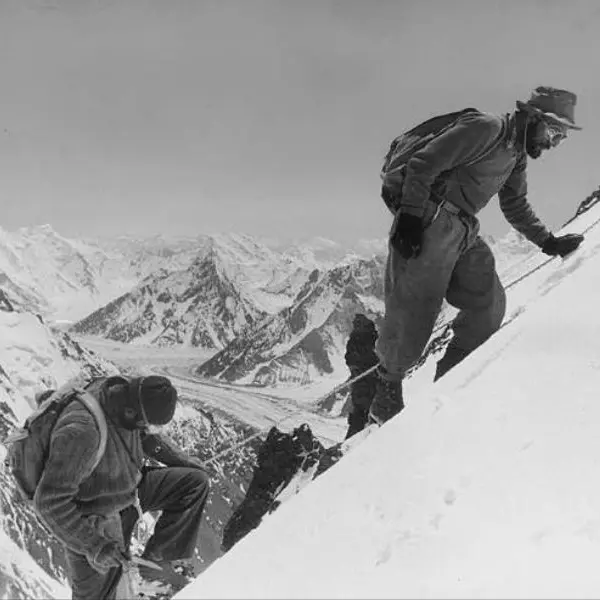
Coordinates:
(486,486)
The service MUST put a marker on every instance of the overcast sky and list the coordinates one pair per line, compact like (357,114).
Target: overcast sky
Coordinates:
(267,117)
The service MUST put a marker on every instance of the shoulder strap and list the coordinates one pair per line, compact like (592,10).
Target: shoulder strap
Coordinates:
(92,404)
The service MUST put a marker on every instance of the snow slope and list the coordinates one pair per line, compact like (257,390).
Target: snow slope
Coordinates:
(35,356)
(22,577)
(486,486)
(55,275)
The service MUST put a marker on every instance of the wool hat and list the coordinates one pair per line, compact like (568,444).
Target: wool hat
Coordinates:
(157,398)
(553,103)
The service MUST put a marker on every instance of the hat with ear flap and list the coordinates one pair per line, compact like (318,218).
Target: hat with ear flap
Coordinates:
(552,103)
(157,398)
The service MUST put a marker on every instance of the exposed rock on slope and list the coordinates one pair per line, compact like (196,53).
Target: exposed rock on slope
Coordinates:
(282,460)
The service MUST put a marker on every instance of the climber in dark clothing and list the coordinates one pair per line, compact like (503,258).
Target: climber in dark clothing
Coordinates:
(361,356)
(93,510)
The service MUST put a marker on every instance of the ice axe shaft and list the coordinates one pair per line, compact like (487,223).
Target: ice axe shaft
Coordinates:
(136,560)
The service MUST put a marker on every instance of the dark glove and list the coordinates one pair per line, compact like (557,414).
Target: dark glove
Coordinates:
(109,556)
(406,236)
(563,245)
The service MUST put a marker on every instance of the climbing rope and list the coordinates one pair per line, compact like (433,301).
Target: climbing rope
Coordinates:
(360,376)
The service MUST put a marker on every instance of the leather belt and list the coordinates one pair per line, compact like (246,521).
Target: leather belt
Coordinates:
(452,208)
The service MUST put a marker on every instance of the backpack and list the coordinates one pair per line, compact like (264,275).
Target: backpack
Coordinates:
(28,447)
(406,144)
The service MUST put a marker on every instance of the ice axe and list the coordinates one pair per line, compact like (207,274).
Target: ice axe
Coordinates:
(143,562)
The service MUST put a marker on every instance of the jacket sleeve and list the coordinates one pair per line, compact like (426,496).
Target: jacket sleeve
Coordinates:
(516,208)
(73,447)
(462,143)
(164,450)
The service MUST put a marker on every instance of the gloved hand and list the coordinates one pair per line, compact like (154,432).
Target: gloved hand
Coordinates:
(562,245)
(406,236)
(109,556)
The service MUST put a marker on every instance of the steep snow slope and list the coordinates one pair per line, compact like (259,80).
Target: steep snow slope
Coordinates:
(485,486)
(22,577)
(34,355)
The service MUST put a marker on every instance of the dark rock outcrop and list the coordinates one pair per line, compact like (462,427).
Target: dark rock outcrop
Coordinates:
(281,457)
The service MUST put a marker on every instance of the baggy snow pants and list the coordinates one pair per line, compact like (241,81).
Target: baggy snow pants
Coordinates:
(455,264)
(180,493)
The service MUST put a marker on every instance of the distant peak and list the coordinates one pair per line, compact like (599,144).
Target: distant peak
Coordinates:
(45,230)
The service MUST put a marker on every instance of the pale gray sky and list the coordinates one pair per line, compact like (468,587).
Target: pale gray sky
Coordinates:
(267,117)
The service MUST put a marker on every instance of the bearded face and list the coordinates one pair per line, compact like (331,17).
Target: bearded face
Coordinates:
(542,134)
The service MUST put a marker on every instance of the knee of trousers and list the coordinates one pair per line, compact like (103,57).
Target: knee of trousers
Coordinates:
(472,328)
(193,488)
(398,354)
(200,482)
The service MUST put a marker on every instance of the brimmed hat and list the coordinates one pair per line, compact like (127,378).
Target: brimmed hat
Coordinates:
(553,103)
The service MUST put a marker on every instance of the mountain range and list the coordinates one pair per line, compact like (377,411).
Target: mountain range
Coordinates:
(307,339)
(271,313)
(37,354)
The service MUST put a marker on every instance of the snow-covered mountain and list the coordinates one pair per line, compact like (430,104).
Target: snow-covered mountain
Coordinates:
(22,577)
(320,252)
(208,292)
(15,296)
(60,278)
(485,486)
(308,338)
(140,256)
(68,279)
(206,304)
(34,355)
